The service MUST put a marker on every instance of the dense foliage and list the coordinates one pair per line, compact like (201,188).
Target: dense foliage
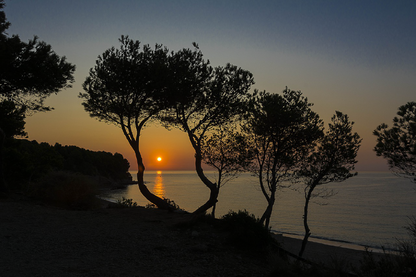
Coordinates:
(12,119)
(281,129)
(246,231)
(398,143)
(30,161)
(30,71)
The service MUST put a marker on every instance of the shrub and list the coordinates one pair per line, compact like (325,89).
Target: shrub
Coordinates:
(172,203)
(246,231)
(401,262)
(66,190)
(125,203)
(167,200)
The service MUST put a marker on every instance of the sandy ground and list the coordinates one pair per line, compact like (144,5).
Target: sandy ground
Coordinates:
(330,256)
(38,240)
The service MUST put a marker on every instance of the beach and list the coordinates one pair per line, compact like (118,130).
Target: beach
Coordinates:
(39,240)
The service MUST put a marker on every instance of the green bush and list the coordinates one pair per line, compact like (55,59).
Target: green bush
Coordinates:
(66,190)
(246,231)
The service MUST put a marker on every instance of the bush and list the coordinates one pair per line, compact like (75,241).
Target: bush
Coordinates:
(66,190)
(167,200)
(246,231)
(125,203)
(401,262)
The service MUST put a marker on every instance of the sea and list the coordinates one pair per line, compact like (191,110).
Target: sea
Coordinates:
(367,210)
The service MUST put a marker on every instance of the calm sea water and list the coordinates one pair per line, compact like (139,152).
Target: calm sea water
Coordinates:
(370,209)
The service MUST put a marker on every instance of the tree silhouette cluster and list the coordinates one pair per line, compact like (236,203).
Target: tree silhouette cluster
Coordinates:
(30,161)
(136,84)
(277,137)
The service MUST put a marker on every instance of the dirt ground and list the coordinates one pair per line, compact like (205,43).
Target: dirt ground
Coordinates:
(39,240)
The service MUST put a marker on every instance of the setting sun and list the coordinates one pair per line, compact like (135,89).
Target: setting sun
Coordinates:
(159,159)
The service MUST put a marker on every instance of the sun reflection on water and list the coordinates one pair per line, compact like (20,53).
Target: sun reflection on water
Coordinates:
(159,188)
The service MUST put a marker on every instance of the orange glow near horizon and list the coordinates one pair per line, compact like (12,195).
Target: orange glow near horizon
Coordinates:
(159,188)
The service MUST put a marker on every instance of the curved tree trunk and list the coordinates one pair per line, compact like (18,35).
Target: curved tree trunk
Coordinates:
(265,219)
(159,202)
(305,222)
(3,187)
(213,196)
(134,141)
(213,210)
(215,204)
(214,191)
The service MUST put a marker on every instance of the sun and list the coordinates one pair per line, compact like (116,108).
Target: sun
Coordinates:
(159,159)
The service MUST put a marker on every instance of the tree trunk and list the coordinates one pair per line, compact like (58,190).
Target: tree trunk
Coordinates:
(265,219)
(215,204)
(218,192)
(305,222)
(213,198)
(214,191)
(213,210)
(3,187)
(159,202)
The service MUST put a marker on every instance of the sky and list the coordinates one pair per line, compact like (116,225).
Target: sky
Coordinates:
(357,57)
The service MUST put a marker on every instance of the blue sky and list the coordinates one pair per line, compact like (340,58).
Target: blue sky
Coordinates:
(358,57)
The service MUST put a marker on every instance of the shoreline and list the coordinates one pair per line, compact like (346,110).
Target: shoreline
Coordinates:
(334,243)
(327,255)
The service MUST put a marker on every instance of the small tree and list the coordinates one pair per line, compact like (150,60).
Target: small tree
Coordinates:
(398,143)
(202,99)
(29,73)
(226,151)
(332,160)
(281,129)
(122,89)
